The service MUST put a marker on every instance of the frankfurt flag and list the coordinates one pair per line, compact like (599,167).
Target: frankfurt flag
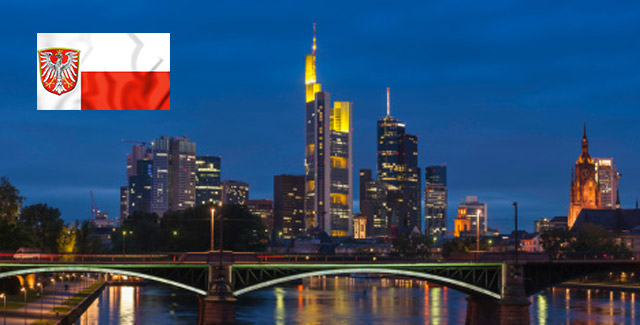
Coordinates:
(102,71)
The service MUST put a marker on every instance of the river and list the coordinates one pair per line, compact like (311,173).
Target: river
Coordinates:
(345,300)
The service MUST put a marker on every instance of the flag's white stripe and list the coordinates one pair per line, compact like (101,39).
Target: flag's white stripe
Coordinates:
(114,51)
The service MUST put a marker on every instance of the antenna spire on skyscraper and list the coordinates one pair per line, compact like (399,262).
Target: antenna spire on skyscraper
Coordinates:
(313,48)
(388,103)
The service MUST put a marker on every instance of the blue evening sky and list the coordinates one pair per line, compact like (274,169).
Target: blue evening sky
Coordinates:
(497,90)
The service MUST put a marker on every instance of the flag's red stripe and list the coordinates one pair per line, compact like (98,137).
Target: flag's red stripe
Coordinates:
(125,90)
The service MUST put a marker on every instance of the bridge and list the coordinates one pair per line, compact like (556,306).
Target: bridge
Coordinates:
(494,288)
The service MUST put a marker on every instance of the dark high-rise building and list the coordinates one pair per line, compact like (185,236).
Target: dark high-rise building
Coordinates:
(235,192)
(328,158)
(264,210)
(138,152)
(208,185)
(435,201)
(174,174)
(288,206)
(374,204)
(124,202)
(140,187)
(398,168)
(365,178)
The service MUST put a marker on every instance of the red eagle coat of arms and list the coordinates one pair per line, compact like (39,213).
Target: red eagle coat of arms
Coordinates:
(59,69)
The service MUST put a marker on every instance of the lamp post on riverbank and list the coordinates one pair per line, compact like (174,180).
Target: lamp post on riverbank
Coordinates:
(4,313)
(53,283)
(24,289)
(41,299)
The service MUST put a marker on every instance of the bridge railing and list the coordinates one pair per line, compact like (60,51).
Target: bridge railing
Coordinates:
(89,258)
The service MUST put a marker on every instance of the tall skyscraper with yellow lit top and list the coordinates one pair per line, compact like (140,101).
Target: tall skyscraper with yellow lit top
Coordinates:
(328,157)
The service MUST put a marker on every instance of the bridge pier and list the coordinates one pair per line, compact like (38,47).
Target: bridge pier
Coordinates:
(219,306)
(513,308)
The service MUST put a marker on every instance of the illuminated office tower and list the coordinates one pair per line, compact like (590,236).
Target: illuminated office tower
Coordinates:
(139,152)
(235,192)
(398,167)
(208,185)
(288,206)
(328,158)
(435,201)
(374,204)
(124,202)
(139,186)
(264,210)
(173,174)
(607,179)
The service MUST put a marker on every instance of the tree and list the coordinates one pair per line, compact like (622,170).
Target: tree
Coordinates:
(593,241)
(13,236)
(243,231)
(589,241)
(85,243)
(10,200)
(411,244)
(67,241)
(45,225)
(554,241)
(462,245)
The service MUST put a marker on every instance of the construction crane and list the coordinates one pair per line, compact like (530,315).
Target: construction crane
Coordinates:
(95,209)
(135,141)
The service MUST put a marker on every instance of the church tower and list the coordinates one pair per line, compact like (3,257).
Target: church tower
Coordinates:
(585,192)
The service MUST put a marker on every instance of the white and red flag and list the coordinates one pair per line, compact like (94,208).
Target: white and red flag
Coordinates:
(103,71)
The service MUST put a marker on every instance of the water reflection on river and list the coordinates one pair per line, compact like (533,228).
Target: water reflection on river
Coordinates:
(345,300)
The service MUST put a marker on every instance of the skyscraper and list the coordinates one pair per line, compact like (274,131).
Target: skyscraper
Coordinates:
(435,201)
(139,152)
(328,158)
(173,174)
(607,178)
(264,210)
(585,191)
(288,205)
(124,202)
(139,186)
(398,167)
(208,185)
(376,200)
(235,192)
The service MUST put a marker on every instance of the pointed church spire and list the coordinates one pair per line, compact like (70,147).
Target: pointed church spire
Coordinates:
(388,103)
(584,156)
(617,199)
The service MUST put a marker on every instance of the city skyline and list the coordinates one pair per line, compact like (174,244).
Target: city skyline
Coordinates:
(508,129)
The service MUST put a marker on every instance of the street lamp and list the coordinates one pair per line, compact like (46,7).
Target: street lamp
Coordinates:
(213,211)
(25,304)
(221,275)
(4,297)
(124,234)
(53,283)
(41,299)
(515,206)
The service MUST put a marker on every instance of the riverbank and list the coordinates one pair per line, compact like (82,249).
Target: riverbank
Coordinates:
(601,285)
(57,302)
(81,301)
